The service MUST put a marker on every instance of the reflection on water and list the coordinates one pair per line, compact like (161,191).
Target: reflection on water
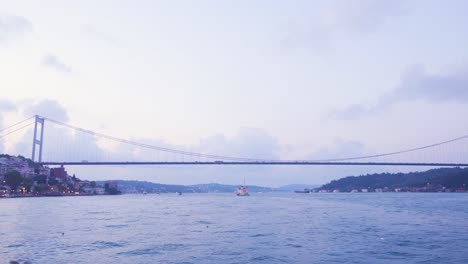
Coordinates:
(223,228)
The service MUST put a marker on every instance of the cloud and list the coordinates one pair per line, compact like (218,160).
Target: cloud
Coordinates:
(249,143)
(350,112)
(329,19)
(339,149)
(99,35)
(416,84)
(55,63)
(47,108)
(12,27)
(363,16)
(6,105)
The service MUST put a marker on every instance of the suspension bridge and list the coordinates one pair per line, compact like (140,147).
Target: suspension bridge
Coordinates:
(66,144)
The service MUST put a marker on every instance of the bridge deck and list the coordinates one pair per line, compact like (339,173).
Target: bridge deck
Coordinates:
(294,163)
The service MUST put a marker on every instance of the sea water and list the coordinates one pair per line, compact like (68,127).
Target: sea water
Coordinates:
(223,228)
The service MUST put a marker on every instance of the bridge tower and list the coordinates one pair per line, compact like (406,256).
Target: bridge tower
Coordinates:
(36,141)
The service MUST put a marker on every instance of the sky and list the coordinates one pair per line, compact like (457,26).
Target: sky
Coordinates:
(262,79)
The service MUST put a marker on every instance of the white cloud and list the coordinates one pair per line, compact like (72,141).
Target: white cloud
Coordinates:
(47,108)
(327,20)
(12,26)
(7,105)
(94,33)
(53,62)
(416,84)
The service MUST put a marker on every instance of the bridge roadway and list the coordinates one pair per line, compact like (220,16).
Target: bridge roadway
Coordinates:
(296,163)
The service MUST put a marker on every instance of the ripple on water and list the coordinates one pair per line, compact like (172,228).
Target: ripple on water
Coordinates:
(260,235)
(400,254)
(403,243)
(15,246)
(203,222)
(294,245)
(154,250)
(140,252)
(266,259)
(97,212)
(226,231)
(116,226)
(107,244)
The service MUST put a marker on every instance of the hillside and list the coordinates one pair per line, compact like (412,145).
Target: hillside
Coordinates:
(151,187)
(444,179)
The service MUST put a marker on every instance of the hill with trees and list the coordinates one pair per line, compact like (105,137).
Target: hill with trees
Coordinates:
(128,186)
(443,179)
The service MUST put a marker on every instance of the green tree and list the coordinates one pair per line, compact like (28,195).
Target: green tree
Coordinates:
(41,188)
(111,189)
(61,187)
(13,179)
(40,179)
(53,182)
(28,183)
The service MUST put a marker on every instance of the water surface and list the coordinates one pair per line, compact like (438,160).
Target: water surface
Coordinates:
(223,228)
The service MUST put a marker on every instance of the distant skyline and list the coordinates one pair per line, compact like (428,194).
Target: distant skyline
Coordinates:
(262,79)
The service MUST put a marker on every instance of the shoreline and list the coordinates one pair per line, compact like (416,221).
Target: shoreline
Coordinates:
(51,195)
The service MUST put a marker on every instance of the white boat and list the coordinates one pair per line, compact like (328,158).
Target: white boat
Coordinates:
(242,190)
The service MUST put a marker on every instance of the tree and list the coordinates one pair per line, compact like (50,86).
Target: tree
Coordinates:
(40,179)
(13,179)
(110,189)
(53,182)
(27,183)
(41,188)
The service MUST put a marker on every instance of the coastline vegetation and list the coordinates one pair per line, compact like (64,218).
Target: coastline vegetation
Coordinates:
(434,180)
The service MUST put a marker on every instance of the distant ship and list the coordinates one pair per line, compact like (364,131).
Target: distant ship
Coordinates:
(304,191)
(242,190)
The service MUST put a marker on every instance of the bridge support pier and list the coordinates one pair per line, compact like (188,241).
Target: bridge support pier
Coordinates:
(36,141)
